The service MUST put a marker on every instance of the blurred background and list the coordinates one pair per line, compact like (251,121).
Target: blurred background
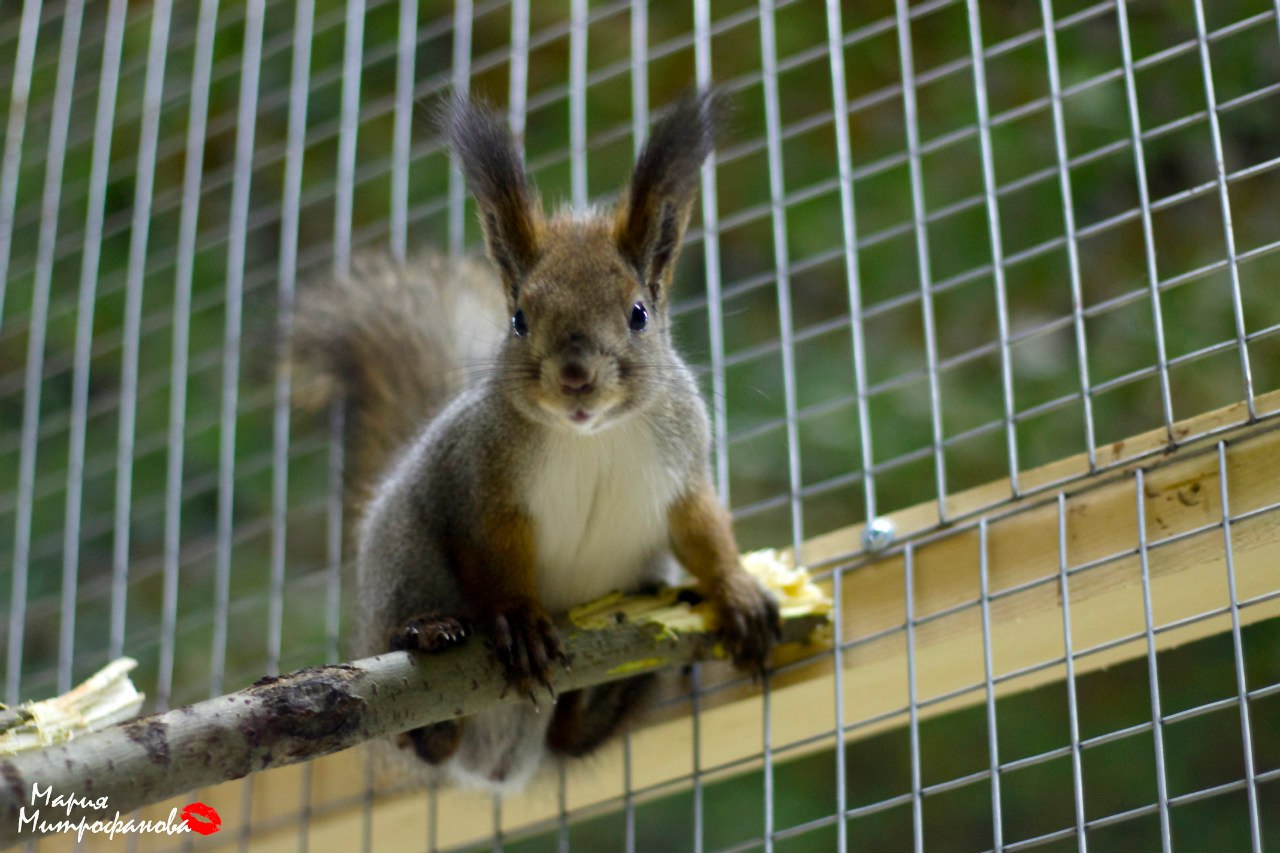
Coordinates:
(142,311)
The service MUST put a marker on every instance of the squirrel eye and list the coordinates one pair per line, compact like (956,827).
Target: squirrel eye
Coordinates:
(518,324)
(639,317)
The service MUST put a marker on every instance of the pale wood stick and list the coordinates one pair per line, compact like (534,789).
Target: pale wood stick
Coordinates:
(282,720)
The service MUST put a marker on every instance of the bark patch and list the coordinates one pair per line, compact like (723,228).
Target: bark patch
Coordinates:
(13,778)
(312,705)
(151,733)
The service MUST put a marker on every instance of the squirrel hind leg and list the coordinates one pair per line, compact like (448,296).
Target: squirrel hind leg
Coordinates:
(436,743)
(431,632)
(585,719)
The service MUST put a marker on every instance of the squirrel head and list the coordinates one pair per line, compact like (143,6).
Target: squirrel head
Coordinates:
(587,291)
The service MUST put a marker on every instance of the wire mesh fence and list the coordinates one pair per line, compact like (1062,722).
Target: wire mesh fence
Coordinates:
(943,245)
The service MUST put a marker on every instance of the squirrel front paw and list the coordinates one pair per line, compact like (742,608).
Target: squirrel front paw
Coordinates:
(749,621)
(429,632)
(526,643)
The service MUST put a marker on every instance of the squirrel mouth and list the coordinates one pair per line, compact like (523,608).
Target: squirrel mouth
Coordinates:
(579,416)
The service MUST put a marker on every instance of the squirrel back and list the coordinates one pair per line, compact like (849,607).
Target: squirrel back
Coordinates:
(395,342)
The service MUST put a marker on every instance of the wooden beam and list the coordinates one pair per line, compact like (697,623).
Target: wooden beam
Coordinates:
(1186,558)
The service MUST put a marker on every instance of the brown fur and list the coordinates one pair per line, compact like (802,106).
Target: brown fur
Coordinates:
(496,565)
(585,719)
(394,343)
(702,540)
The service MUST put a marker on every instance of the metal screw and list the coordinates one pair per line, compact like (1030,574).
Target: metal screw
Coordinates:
(877,535)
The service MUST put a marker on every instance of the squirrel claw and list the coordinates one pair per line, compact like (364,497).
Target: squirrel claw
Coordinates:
(749,623)
(526,643)
(428,632)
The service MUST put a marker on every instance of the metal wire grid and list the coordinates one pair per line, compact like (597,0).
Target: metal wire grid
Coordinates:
(919,794)
(262,239)
(1083,828)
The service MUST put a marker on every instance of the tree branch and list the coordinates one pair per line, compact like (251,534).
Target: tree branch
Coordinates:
(286,719)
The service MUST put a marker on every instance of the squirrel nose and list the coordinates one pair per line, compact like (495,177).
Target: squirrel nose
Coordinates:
(575,379)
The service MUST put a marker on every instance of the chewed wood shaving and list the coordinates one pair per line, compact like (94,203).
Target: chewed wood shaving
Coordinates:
(791,585)
(108,696)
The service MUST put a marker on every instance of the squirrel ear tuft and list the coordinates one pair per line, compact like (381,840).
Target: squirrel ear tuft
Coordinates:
(654,211)
(510,212)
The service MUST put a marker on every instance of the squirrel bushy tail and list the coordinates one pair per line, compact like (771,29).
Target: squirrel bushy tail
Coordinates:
(394,341)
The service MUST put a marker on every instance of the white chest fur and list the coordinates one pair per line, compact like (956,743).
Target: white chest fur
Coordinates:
(599,505)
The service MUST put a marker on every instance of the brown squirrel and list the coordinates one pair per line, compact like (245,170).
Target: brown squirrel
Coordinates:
(511,462)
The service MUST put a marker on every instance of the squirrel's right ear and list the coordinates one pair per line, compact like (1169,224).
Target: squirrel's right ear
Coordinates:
(652,215)
(510,211)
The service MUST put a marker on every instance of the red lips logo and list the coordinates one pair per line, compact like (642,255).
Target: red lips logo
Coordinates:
(201,818)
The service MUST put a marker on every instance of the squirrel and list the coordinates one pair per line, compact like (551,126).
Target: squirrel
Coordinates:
(525,438)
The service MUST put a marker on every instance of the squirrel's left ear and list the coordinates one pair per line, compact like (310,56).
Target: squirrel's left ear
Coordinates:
(654,210)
